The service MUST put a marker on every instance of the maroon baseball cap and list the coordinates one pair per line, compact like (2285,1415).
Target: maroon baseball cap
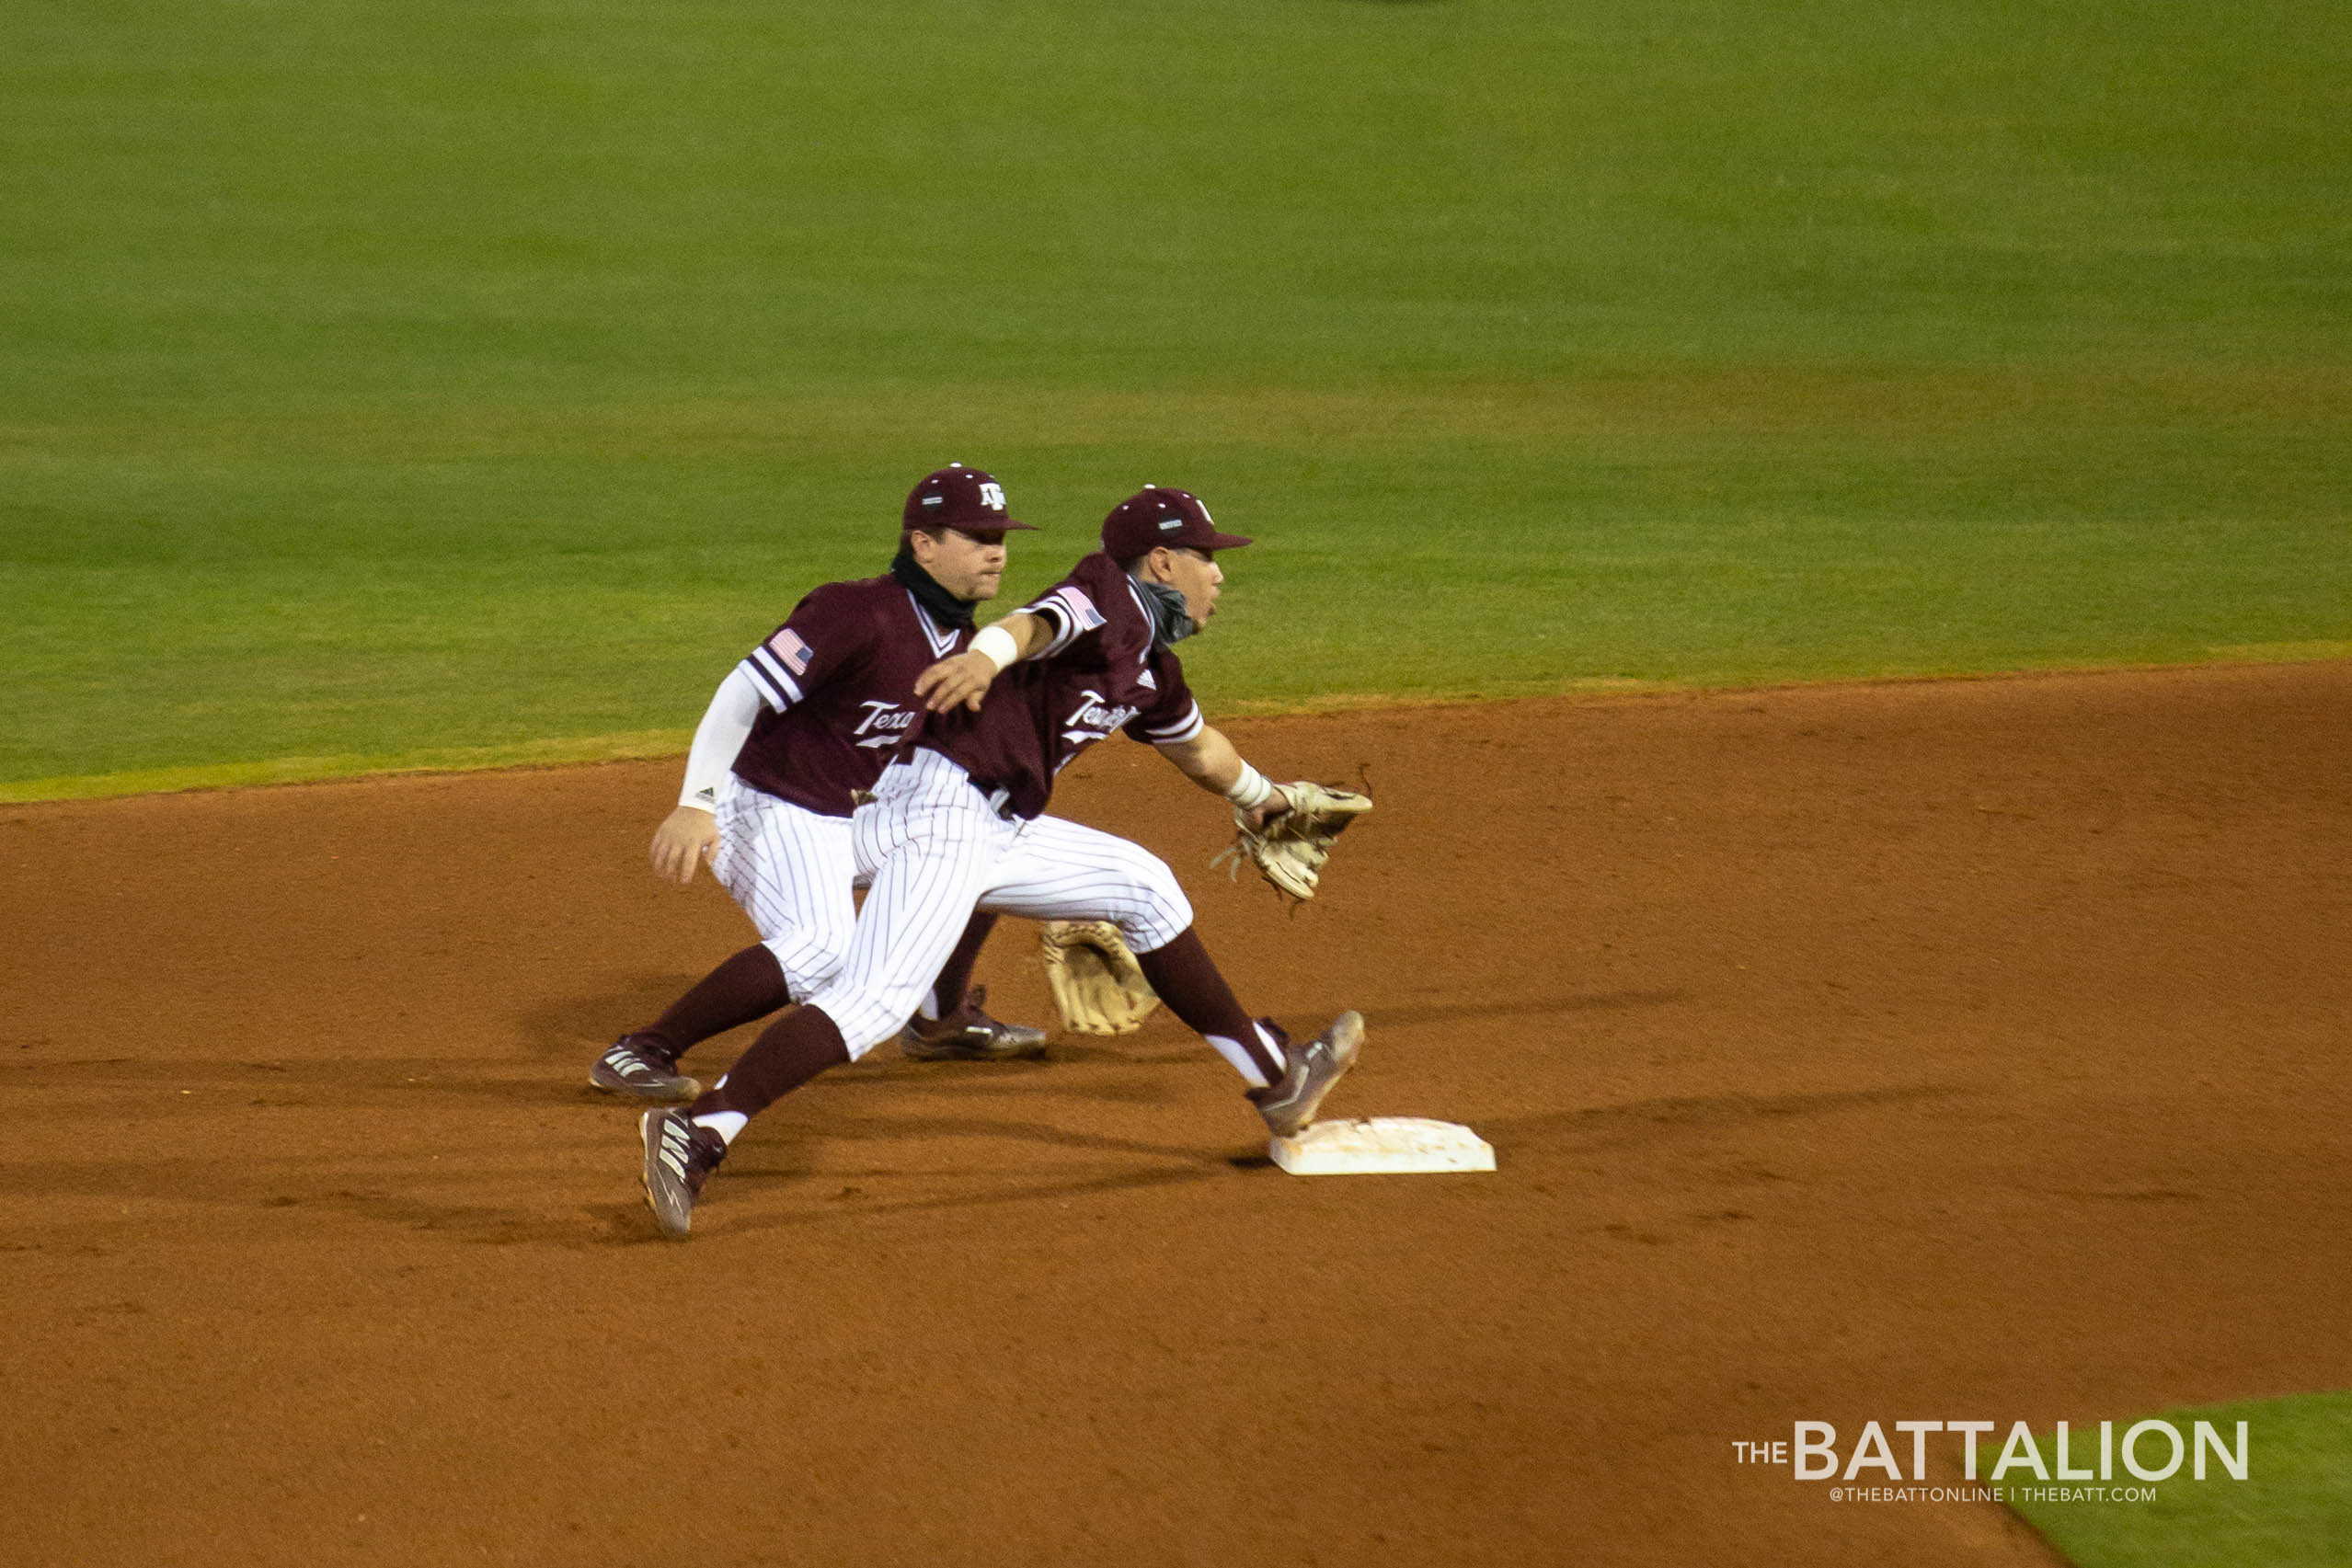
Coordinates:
(1154,516)
(958,497)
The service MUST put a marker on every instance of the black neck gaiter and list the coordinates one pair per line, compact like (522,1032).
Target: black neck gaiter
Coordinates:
(945,607)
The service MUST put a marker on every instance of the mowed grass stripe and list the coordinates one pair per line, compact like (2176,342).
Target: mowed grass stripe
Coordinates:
(1631,544)
(673,743)
(314,770)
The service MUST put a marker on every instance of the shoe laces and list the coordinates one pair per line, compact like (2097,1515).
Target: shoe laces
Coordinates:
(645,1049)
(692,1152)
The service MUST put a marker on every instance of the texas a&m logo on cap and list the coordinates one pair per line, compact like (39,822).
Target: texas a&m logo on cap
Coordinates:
(958,497)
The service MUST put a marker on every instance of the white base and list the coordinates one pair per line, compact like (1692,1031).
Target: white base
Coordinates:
(1383,1144)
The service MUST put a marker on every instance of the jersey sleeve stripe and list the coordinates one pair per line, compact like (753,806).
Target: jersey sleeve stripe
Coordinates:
(1057,621)
(776,685)
(1183,729)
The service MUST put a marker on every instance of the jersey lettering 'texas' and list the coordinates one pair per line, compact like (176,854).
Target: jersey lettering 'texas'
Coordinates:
(1099,673)
(838,683)
(1095,720)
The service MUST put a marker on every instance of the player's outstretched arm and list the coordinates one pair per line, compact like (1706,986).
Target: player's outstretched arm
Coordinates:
(964,679)
(690,832)
(1213,762)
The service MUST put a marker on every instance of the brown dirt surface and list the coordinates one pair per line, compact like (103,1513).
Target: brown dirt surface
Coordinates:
(1880,1052)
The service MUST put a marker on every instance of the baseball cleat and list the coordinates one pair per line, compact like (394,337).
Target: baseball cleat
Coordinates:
(1311,1070)
(970,1034)
(638,1068)
(679,1158)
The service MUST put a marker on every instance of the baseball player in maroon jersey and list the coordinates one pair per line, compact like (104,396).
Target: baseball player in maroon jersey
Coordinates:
(795,736)
(959,823)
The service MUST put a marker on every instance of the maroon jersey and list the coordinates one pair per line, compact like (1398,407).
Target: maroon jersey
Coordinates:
(838,679)
(1100,673)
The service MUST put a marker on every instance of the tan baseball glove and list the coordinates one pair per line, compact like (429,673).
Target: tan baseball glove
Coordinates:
(1290,850)
(1096,983)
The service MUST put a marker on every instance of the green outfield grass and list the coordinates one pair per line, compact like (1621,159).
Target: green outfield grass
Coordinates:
(2292,1510)
(402,379)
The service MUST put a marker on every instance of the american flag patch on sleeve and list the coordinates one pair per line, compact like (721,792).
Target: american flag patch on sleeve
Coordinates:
(1071,613)
(791,651)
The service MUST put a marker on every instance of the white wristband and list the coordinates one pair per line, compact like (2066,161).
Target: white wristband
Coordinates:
(996,644)
(1250,790)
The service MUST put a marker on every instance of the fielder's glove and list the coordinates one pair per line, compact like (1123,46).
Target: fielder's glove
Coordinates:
(1096,983)
(1290,850)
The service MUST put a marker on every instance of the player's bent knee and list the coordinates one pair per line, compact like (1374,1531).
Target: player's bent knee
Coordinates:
(808,966)
(1158,913)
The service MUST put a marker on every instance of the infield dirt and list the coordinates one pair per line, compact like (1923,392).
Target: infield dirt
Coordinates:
(1972,1049)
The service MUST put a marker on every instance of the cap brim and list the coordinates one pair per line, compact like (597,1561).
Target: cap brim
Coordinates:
(1223,541)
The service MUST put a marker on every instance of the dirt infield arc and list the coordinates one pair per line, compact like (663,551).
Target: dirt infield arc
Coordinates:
(1969,1049)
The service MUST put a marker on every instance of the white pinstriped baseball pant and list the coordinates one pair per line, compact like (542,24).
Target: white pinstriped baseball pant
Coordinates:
(936,849)
(790,869)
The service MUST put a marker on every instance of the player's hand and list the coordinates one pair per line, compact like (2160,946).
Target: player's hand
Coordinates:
(1273,805)
(961,680)
(686,837)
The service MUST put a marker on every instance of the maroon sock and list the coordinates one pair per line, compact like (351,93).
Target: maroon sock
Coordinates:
(788,1053)
(1188,980)
(956,979)
(748,986)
